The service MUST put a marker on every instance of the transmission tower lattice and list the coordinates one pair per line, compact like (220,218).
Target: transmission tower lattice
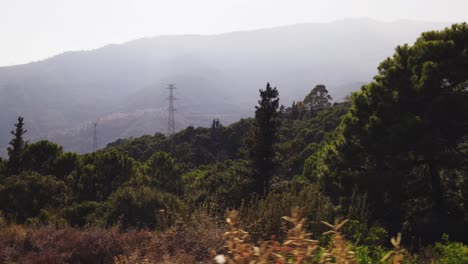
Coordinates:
(171,109)
(95,143)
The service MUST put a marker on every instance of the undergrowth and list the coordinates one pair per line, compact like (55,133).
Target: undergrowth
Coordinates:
(201,238)
(332,247)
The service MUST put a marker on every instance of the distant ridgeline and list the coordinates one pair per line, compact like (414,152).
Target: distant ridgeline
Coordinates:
(123,87)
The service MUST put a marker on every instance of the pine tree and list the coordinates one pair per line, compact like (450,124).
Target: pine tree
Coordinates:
(264,138)
(16,149)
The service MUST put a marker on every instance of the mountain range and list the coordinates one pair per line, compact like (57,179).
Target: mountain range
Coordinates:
(123,87)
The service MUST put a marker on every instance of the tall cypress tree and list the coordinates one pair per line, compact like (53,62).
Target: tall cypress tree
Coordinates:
(16,148)
(264,137)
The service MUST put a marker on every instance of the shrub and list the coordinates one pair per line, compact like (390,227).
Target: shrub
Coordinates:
(142,207)
(451,252)
(68,245)
(84,213)
(24,195)
(262,216)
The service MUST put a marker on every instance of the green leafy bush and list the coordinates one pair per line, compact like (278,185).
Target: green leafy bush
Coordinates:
(451,252)
(142,207)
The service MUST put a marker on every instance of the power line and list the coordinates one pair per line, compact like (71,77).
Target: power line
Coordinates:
(171,109)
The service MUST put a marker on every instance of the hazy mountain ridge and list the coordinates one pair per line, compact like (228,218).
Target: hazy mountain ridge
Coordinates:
(216,75)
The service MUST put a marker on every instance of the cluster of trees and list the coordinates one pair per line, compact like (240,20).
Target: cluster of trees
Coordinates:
(131,180)
(404,139)
(395,153)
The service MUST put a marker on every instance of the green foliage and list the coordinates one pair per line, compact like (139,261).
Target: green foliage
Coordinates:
(223,184)
(317,99)
(85,213)
(24,195)
(262,216)
(101,173)
(299,139)
(368,255)
(64,164)
(163,172)
(46,218)
(142,207)
(143,147)
(193,146)
(40,156)
(402,131)
(368,241)
(451,252)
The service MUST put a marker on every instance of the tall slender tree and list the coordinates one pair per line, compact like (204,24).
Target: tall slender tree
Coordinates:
(16,148)
(264,137)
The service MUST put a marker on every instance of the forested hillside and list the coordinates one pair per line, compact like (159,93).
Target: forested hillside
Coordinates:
(391,160)
(123,87)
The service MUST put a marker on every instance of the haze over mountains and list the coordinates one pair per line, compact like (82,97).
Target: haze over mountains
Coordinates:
(122,87)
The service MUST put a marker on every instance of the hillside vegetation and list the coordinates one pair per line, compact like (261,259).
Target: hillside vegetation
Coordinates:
(123,87)
(309,182)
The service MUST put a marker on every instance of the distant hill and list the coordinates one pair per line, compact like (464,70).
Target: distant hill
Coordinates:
(123,86)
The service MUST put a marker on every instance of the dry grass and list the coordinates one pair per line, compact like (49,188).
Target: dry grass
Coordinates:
(190,241)
(338,251)
(195,240)
(398,254)
(297,248)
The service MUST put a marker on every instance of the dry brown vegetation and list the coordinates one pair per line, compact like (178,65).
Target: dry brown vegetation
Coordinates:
(190,241)
(200,238)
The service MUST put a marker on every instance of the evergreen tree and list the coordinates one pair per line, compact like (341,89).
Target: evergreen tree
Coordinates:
(16,148)
(264,137)
(402,139)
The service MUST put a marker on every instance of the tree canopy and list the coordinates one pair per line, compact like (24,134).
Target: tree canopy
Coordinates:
(318,98)
(401,139)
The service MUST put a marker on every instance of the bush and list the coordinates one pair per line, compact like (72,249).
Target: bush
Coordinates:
(224,184)
(85,213)
(69,245)
(451,252)
(191,240)
(262,216)
(142,207)
(24,195)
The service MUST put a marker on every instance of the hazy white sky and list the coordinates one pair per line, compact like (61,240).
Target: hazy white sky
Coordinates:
(35,29)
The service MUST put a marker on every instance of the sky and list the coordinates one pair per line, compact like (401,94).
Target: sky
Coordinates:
(32,30)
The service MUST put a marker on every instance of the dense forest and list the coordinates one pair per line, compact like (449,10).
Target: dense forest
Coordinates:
(392,158)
